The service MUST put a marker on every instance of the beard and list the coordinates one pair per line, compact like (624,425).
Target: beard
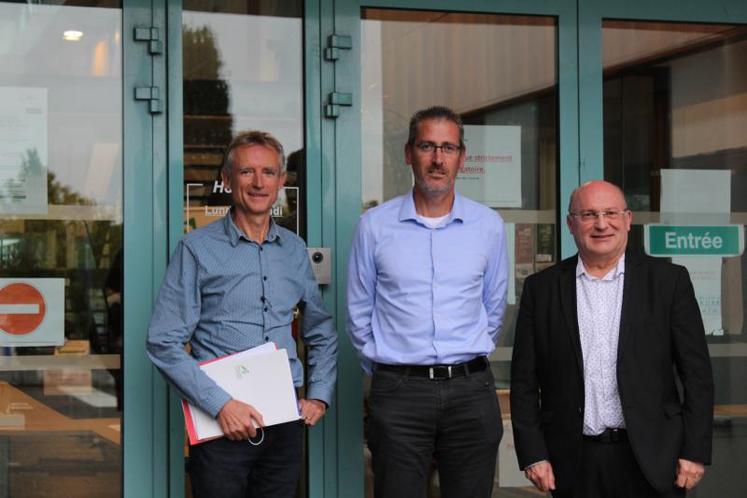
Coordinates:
(427,187)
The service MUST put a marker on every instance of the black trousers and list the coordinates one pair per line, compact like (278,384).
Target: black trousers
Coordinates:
(236,469)
(414,422)
(610,470)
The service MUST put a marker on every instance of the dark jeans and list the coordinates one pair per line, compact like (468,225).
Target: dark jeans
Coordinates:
(236,469)
(414,421)
(609,470)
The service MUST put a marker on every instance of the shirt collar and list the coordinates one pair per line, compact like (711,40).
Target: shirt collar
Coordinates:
(234,234)
(618,270)
(407,211)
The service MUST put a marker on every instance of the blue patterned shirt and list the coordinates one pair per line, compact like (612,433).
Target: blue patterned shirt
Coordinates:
(224,293)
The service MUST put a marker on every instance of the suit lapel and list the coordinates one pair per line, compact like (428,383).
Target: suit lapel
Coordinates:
(633,304)
(568,302)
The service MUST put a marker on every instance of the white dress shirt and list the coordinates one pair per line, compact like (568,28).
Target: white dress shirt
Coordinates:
(599,305)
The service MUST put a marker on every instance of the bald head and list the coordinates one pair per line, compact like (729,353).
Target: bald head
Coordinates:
(595,186)
(599,221)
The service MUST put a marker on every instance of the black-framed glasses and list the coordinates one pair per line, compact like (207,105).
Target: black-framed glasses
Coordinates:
(589,215)
(447,148)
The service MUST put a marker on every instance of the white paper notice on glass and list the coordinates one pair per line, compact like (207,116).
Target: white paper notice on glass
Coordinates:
(23,150)
(492,167)
(259,376)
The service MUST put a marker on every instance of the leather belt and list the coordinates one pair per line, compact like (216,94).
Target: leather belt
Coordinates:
(438,372)
(609,436)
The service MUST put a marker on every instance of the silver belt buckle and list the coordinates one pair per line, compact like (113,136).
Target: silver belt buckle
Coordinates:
(432,373)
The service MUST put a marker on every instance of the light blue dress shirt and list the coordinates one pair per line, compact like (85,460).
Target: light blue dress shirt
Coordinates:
(422,296)
(224,293)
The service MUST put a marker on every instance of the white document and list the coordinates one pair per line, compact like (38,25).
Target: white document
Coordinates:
(699,197)
(492,167)
(23,150)
(695,193)
(260,377)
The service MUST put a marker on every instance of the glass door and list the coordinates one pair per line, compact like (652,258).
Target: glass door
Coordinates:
(664,120)
(511,135)
(509,72)
(243,69)
(61,249)
(83,240)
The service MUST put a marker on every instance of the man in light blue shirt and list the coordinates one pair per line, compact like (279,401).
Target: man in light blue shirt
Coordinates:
(427,281)
(231,286)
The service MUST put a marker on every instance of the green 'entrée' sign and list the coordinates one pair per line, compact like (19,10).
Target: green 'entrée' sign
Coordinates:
(694,240)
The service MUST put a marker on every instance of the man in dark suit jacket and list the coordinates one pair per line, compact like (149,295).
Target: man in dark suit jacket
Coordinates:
(595,406)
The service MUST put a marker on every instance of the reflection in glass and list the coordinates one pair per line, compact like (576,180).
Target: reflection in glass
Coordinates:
(242,70)
(499,73)
(675,111)
(61,234)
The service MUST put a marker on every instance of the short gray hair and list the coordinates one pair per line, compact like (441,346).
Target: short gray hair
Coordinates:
(436,112)
(253,137)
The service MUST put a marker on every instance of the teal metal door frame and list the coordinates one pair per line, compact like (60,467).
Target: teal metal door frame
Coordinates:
(153,439)
(154,169)
(581,148)
(341,189)
(145,427)
(174,160)
(347,19)
(323,439)
(153,206)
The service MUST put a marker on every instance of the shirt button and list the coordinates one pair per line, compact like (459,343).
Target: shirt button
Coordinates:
(265,308)
(264,278)
(262,299)
(267,339)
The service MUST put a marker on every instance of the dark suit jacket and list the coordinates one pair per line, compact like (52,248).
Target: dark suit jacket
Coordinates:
(660,329)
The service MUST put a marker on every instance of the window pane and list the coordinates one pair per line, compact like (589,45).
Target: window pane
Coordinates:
(60,249)
(243,69)
(675,111)
(499,73)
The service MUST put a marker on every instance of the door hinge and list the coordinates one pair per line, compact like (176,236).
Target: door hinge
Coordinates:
(152,94)
(152,35)
(335,43)
(334,101)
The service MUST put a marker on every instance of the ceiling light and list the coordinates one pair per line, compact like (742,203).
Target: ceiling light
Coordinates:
(72,35)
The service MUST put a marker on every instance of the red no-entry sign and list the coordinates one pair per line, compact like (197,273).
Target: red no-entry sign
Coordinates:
(22,308)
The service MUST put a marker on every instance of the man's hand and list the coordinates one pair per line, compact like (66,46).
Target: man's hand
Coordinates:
(312,410)
(689,473)
(239,421)
(541,475)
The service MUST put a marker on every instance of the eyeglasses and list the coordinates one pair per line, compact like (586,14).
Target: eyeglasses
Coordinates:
(429,148)
(608,214)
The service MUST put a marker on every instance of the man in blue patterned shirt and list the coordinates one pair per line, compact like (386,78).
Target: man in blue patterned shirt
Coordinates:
(231,286)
